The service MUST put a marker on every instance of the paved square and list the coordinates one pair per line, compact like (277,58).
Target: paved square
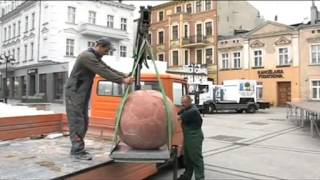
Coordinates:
(263,145)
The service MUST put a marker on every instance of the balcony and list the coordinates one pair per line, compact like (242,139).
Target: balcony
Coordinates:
(194,41)
(97,30)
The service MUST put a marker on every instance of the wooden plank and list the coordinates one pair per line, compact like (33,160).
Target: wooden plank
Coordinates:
(29,125)
(8,121)
(27,132)
(117,171)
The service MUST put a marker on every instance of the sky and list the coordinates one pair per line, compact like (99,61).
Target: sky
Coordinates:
(288,12)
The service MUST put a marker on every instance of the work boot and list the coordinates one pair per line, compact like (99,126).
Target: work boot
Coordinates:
(183,177)
(83,155)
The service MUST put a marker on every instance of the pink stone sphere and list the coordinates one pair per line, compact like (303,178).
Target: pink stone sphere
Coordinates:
(144,122)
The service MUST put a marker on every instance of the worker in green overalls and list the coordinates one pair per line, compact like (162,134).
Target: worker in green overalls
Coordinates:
(193,137)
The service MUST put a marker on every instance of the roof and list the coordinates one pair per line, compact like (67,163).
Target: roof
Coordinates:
(165,4)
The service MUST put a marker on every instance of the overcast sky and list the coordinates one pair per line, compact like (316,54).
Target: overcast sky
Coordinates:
(289,12)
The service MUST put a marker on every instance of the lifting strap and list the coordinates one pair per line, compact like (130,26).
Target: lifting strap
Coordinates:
(145,46)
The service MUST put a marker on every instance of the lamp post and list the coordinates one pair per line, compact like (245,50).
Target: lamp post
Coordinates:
(193,68)
(5,59)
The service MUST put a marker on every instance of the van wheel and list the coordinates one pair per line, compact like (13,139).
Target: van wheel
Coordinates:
(251,109)
(211,109)
(239,110)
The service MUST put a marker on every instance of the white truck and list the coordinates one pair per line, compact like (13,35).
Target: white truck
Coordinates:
(238,95)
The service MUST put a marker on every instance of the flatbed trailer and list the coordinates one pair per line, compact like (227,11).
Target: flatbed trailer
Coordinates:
(25,152)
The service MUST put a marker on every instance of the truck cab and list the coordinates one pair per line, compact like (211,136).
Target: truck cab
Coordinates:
(106,98)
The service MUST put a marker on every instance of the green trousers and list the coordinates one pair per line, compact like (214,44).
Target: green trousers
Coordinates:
(193,158)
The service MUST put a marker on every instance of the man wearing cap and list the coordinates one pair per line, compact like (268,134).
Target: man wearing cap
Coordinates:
(78,90)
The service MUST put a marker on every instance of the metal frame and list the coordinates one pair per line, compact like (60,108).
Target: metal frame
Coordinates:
(300,113)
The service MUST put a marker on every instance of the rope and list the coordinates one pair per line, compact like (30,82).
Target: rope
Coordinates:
(125,97)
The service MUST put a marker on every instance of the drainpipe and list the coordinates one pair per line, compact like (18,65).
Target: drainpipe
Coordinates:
(39,30)
(216,42)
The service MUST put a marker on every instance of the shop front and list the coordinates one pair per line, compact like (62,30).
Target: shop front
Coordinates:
(277,85)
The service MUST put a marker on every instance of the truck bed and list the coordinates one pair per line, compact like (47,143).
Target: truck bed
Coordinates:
(22,157)
(47,158)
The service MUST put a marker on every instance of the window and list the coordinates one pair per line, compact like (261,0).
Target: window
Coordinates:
(32,20)
(110,53)
(107,88)
(31,51)
(186,27)
(199,56)
(178,92)
(283,56)
(149,37)
(24,86)
(124,24)
(189,8)
(315,89)
(225,61)
(19,27)
(92,17)
(175,58)
(208,28)
(236,60)
(257,58)
(14,29)
(71,14)
(198,6)
(160,37)
(186,57)
(42,83)
(160,57)
(26,24)
(25,52)
(123,51)
(178,9)
(209,56)
(91,44)
(150,85)
(175,33)
(315,51)
(160,16)
(208,4)
(259,90)
(70,47)
(18,55)
(59,81)
(5,33)
(13,53)
(110,21)
(9,32)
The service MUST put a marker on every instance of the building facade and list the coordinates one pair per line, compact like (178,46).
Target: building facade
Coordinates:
(186,32)
(309,45)
(237,16)
(269,54)
(43,36)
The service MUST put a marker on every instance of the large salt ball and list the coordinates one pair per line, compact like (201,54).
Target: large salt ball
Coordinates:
(144,121)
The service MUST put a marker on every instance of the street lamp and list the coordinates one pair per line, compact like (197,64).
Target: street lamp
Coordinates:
(5,59)
(193,68)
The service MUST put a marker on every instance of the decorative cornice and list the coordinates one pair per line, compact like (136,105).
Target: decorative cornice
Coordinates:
(44,30)
(313,40)
(283,41)
(17,10)
(71,30)
(256,44)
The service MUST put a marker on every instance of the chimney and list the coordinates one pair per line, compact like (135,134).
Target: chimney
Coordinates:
(314,13)
(276,18)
